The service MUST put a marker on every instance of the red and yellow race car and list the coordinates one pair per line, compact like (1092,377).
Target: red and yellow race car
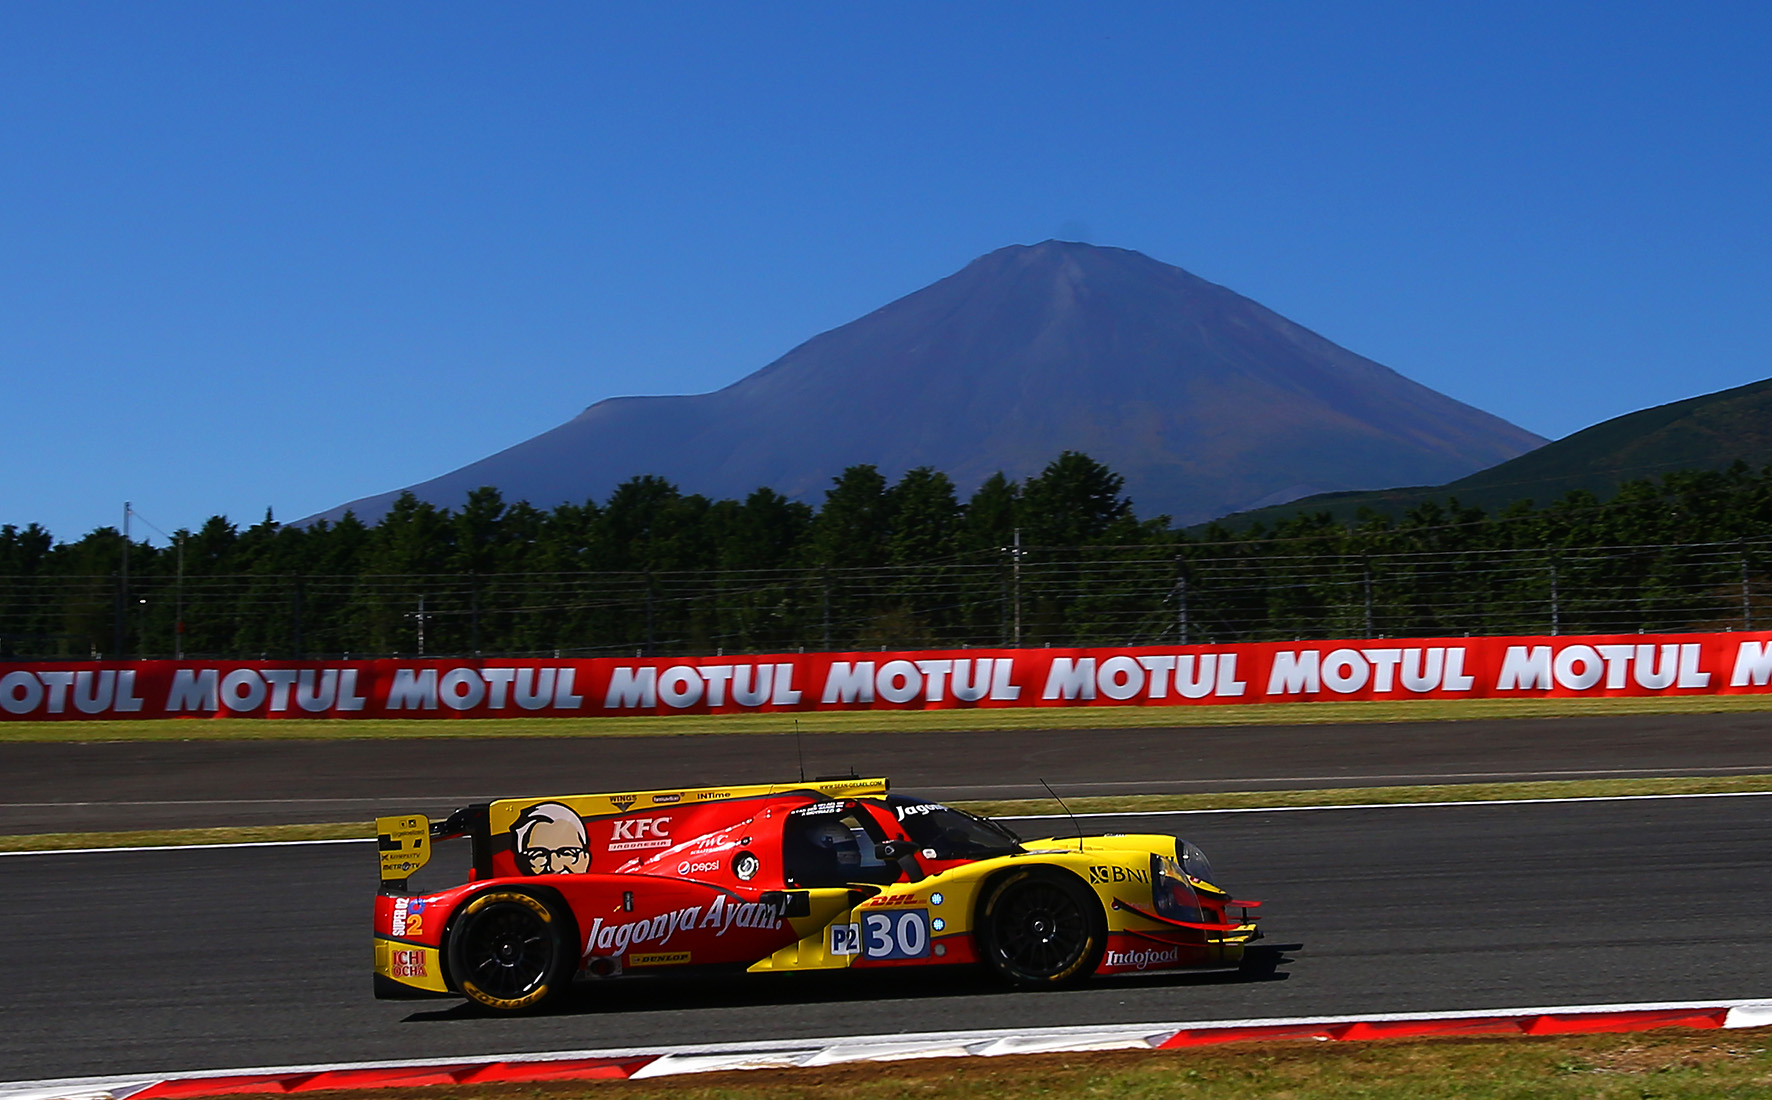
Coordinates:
(824,875)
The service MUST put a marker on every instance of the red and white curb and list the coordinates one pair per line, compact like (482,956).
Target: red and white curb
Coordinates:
(642,1062)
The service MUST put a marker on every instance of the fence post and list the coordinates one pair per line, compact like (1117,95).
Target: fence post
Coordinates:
(1555,610)
(296,613)
(1017,574)
(474,612)
(1366,585)
(123,588)
(650,642)
(1181,609)
(1747,605)
(117,616)
(1003,613)
(421,618)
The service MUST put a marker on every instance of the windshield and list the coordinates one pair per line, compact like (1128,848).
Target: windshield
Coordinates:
(1171,892)
(833,844)
(949,833)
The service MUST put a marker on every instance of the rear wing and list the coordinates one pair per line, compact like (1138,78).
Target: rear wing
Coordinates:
(406,841)
(504,812)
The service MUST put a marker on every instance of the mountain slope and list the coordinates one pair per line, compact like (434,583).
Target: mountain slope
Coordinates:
(1206,401)
(1710,432)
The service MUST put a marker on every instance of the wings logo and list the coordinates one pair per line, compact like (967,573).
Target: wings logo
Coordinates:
(623,802)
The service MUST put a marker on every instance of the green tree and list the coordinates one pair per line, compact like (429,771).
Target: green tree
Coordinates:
(855,523)
(1075,501)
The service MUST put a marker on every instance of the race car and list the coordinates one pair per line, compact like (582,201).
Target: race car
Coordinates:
(826,875)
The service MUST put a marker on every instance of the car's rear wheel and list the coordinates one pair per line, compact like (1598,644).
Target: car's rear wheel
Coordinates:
(1041,928)
(509,952)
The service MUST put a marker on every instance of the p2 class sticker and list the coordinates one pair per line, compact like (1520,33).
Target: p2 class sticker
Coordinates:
(896,934)
(845,939)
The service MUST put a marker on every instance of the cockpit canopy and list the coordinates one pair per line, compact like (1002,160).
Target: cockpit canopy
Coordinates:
(951,833)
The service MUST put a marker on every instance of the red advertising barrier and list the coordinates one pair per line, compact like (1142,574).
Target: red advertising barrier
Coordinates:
(1269,672)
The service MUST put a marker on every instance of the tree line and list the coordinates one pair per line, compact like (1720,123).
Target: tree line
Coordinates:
(1059,558)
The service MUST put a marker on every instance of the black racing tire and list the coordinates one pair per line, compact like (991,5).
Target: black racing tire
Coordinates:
(510,951)
(1041,928)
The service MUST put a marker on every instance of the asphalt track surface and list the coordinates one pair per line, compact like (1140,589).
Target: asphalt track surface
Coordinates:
(151,785)
(167,960)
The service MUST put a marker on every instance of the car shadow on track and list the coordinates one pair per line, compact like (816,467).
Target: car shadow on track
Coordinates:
(675,994)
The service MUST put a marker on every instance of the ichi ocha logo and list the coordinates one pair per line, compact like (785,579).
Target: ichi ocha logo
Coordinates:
(721,916)
(1142,958)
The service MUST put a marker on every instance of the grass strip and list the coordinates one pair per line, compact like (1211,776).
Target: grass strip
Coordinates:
(911,721)
(1364,796)
(152,838)
(1668,1065)
(1221,800)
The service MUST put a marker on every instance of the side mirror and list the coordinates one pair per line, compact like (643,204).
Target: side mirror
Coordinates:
(893,850)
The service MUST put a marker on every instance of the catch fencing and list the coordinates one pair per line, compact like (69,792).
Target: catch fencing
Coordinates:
(1194,593)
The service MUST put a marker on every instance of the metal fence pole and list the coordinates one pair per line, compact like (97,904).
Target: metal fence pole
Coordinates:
(1181,609)
(1556,623)
(1747,604)
(1366,584)
(1016,642)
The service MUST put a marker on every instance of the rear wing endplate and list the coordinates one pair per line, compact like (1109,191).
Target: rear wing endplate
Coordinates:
(405,844)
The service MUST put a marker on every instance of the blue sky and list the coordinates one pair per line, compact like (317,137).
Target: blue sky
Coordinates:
(284,255)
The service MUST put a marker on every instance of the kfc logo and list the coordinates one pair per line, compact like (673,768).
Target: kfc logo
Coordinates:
(640,832)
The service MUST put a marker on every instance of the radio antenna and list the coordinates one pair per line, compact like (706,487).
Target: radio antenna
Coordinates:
(1074,822)
(800,750)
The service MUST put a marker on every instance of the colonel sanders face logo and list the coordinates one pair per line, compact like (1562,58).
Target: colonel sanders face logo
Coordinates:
(550,840)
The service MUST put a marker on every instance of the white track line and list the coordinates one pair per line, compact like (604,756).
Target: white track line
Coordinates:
(1390,805)
(964,792)
(1391,778)
(1755,1013)
(1013,817)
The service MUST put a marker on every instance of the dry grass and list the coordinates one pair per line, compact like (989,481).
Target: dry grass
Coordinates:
(1128,717)
(1339,796)
(150,838)
(1367,796)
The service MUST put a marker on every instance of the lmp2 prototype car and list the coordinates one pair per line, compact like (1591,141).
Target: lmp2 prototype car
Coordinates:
(822,875)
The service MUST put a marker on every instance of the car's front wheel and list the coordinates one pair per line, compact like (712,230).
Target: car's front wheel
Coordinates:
(1041,928)
(509,952)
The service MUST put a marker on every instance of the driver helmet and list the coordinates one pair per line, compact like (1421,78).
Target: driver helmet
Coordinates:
(835,837)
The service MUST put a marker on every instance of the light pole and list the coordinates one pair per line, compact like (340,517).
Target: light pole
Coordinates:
(123,587)
(178,603)
(1017,552)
